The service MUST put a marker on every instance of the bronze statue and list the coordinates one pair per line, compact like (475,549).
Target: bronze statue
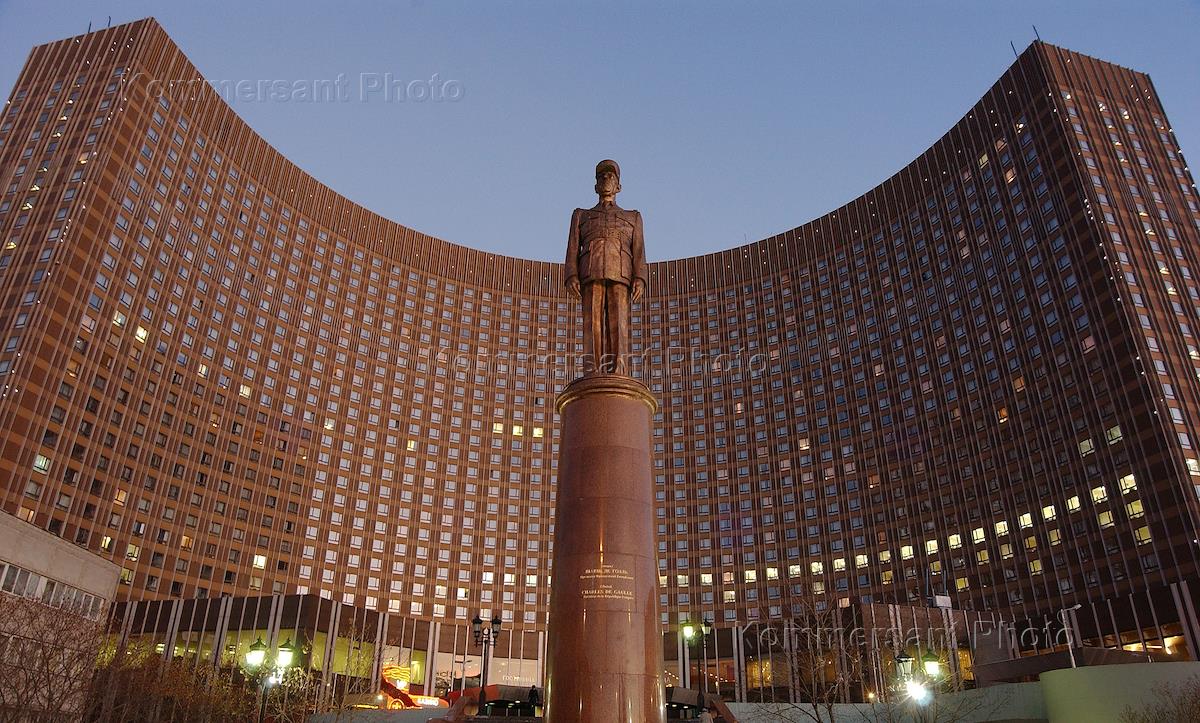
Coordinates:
(606,269)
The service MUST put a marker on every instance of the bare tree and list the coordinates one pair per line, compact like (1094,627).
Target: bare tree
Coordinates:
(135,685)
(46,658)
(1175,704)
(823,659)
(352,675)
(295,696)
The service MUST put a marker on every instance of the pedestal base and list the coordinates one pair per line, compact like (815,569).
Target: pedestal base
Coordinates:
(604,656)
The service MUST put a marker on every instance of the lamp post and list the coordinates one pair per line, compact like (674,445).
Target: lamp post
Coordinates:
(918,690)
(1065,614)
(486,637)
(256,656)
(688,629)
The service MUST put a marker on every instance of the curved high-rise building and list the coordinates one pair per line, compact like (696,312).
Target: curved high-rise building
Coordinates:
(975,385)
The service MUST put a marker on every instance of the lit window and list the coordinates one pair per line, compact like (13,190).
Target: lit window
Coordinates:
(906,552)
(931,547)
(1113,434)
(860,560)
(1086,447)
(1026,520)
(750,575)
(961,584)
(977,535)
(497,428)
(518,430)
(839,565)
(1048,512)
(140,334)
(1134,509)
(1127,484)
(1035,567)
(1105,518)
(1142,535)
(795,570)
(1073,504)
(260,562)
(41,463)
(817,568)
(1099,494)
(955,541)
(982,556)
(1002,527)
(537,432)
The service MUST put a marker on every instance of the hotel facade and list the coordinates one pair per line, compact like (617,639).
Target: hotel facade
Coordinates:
(975,387)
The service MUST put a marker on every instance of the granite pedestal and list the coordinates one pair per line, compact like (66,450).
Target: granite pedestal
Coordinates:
(604,657)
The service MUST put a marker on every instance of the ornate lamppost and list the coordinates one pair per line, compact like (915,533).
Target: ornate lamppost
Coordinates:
(689,633)
(256,656)
(485,636)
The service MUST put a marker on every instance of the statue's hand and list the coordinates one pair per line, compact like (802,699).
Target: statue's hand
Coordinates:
(639,288)
(573,286)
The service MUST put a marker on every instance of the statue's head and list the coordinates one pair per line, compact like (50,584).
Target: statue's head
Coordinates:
(608,178)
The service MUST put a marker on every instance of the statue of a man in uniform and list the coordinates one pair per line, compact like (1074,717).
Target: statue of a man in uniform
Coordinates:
(606,269)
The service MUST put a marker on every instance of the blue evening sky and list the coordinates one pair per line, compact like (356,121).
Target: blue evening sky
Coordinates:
(731,121)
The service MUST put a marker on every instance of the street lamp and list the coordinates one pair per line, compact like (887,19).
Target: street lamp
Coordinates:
(705,628)
(283,659)
(931,665)
(689,630)
(1070,629)
(487,637)
(904,663)
(917,691)
(256,656)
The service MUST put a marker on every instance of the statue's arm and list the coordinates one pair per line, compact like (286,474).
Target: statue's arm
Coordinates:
(639,249)
(572,263)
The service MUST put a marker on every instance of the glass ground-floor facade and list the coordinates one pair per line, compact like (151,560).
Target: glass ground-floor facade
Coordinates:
(853,649)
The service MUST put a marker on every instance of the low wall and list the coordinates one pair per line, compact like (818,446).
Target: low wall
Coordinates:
(1100,694)
(1096,694)
(1011,703)
(378,716)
